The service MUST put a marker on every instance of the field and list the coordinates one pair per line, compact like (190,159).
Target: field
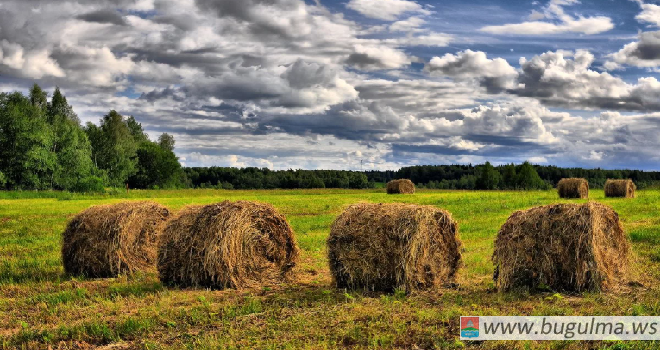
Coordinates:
(42,307)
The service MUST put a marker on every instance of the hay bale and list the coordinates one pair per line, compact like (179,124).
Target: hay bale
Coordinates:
(382,247)
(566,247)
(227,245)
(620,188)
(573,188)
(403,186)
(108,240)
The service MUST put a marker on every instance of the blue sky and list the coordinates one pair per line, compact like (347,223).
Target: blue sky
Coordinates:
(333,84)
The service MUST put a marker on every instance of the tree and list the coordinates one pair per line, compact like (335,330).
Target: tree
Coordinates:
(114,149)
(528,178)
(166,142)
(74,155)
(509,176)
(26,140)
(489,178)
(59,107)
(156,167)
(136,130)
(38,97)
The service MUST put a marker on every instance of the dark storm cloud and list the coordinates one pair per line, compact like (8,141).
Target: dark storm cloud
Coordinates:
(648,47)
(103,16)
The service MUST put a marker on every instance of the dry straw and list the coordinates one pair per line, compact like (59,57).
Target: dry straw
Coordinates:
(109,240)
(564,247)
(573,188)
(403,186)
(227,245)
(620,188)
(384,247)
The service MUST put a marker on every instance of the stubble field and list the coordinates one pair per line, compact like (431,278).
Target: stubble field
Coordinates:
(41,307)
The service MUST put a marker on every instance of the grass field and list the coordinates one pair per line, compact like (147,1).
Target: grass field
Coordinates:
(41,307)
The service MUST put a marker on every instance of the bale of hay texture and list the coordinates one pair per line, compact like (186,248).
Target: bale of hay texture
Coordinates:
(227,245)
(566,247)
(404,186)
(620,188)
(573,188)
(383,247)
(108,240)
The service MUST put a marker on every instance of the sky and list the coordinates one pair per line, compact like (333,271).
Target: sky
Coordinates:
(355,84)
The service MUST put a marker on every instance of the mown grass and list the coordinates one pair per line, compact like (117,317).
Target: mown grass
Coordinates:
(42,307)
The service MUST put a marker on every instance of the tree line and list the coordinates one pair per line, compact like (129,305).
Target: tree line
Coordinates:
(43,146)
(507,177)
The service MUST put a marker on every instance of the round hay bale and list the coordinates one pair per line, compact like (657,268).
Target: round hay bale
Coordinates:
(401,186)
(564,247)
(109,240)
(227,245)
(620,188)
(383,247)
(573,188)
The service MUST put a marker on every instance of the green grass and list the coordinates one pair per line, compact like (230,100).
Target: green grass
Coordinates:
(40,305)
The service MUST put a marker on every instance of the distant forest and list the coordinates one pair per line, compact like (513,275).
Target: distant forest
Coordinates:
(43,146)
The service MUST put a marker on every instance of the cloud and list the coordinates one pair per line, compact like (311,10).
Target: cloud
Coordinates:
(556,79)
(105,16)
(642,53)
(495,74)
(387,10)
(559,22)
(650,14)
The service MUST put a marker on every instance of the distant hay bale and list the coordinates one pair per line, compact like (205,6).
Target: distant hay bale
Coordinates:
(620,188)
(403,186)
(383,247)
(109,240)
(227,245)
(573,188)
(566,247)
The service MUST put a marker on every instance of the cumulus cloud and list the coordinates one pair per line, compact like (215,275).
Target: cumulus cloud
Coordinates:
(650,14)
(642,53)
(565,79)
(387,10)
(495,74)
(557,22)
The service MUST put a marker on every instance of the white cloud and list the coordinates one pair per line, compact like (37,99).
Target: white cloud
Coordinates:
(650,14)
(559,22)
(471,64)
(387,10)
(642,53)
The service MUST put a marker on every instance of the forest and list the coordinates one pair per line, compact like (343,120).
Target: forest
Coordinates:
(43,146)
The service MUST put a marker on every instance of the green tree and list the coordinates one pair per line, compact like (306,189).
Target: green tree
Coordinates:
(59,107)
(509,176)
(489,178)
(528,178)
(156,167)
(38,97)
(166,142)
(26,140)
(114,149)
(136,130)
(74,155)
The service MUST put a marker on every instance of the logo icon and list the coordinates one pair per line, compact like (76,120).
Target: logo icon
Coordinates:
(469,327)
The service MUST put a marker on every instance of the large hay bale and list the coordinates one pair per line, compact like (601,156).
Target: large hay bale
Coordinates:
(620,188)
(108,240)
(567,247)
(227,245)
(403,186)
(383,247)
(573,188)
